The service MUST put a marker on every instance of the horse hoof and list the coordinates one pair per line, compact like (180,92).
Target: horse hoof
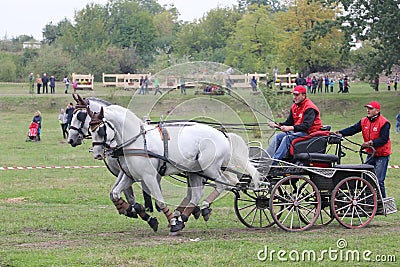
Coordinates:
(153,222)
(175,228)
(206,212)
(196,212)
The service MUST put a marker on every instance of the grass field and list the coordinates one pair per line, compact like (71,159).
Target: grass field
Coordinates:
(63,217)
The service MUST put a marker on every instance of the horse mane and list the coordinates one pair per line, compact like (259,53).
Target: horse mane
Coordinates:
(95,99)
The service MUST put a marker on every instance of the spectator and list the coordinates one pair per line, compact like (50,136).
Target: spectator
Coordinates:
(69,111)
(304,118)
(66,81)
(275,73)
(45,82)
(75,85)
(253,83)
(341,85)
(141,84)
(388,83)
(229,83)
(314,84)
(396,81)
(332,84)
(183,86)
(346,85)
(52,85)
(62,119)
(157,86)
(308,83)
(38,119)
(38,83)
(398,123)
(326,82)
(31,83)
(375,130)
(320,82)
(376,83)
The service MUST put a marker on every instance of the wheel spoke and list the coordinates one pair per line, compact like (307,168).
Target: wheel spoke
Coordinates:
(245,217)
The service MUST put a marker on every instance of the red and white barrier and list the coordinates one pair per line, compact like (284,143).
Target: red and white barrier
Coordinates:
(48,167)
(89,167)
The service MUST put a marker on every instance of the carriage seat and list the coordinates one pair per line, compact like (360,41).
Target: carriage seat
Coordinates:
(315,142)
(316,157)
(311,149)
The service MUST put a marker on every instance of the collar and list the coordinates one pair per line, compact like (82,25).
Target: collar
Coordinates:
(373,118)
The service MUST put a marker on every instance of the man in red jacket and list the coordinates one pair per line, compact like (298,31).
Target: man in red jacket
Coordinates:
(375,131)
(304,118)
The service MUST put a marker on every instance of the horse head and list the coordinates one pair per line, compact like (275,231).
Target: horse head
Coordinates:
(79,127)
(103,134)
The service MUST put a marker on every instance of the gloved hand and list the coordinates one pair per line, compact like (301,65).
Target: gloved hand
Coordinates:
(367,144)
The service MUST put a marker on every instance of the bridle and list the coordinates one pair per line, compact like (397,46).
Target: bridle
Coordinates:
(101,125)
(82,120)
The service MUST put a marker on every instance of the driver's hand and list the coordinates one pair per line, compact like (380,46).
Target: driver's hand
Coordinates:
(273,124)
(366,144)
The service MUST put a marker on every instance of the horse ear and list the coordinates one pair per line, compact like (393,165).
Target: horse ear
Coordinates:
(89,111)
(75,98)
(81,99)
(101,114)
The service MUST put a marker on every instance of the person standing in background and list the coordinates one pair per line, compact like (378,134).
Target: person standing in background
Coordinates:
(52,85)
(45,82)
(31,83)
(69,111)
(38,83)
(62,119)
(38,119)
(396,81)
(398,123)
(66,81)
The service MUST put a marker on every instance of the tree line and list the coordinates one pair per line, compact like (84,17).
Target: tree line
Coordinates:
(140,36)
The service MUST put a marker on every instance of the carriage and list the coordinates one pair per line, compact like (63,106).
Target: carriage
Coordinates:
(309,187)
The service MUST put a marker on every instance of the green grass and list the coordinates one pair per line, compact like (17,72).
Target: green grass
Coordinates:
(65,218)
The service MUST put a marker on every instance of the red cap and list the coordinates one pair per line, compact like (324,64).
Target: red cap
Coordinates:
(299,89)
(373,104)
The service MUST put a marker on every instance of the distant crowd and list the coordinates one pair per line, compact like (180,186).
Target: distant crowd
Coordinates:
(44,82)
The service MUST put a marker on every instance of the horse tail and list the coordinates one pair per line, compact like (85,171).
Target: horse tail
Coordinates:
(240,157)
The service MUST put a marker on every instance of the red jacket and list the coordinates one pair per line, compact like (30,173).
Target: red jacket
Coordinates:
(371,131)
(298,114)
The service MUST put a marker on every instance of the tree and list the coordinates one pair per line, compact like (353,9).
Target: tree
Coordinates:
(298,50)
(376,21)
(254,42)
(206,39)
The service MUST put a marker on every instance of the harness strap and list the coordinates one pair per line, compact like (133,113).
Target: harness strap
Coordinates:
(165,137)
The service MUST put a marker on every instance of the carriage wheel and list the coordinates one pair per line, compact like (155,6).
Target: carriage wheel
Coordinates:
(295,203)
(252,207)
(354,202)
(325,215)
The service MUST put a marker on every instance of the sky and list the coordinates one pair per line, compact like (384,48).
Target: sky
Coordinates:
(29,17)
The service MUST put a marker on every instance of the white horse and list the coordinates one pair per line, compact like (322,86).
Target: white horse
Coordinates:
(79,129)
(148,152)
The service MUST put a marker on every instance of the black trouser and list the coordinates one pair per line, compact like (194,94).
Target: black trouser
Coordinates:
(45,86)
(64,128)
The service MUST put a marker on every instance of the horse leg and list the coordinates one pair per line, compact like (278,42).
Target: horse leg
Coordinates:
(152,182)
(124,183)
(194,194)
(185,202)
